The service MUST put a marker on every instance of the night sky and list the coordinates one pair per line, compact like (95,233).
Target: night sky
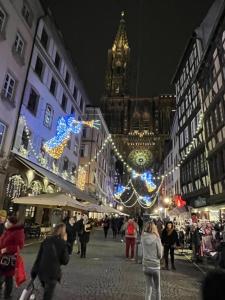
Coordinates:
(158,31)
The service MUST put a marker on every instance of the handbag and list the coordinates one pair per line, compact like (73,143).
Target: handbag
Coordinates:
(7,262)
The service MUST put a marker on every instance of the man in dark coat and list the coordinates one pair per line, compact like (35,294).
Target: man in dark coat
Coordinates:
(84,229)
(52,254)
(71,234)
(170,241)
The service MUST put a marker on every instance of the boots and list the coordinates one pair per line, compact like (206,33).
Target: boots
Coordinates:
(173,267)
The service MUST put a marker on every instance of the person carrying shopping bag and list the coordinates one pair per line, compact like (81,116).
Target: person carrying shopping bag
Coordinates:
(11,242)
(52,254)
(152,253)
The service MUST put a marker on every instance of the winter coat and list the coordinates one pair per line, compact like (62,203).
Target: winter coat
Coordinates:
(52,254)
(152,250)
(106,223)
(71,232)
(84,235)
(169,240)
(13,240)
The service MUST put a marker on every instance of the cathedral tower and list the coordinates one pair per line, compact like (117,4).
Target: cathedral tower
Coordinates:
(118,63)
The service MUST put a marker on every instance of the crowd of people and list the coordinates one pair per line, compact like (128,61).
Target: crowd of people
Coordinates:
(158,241)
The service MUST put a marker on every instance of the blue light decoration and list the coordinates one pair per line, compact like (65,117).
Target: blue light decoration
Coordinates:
(145,199)
(66,126)
(147,178)
(120,189)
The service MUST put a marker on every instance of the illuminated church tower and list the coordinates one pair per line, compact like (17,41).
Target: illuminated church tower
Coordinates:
(118,63)
(139,125)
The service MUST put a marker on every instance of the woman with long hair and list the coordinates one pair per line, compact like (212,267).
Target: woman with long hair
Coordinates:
(52,254)
(170,241)
(152,253)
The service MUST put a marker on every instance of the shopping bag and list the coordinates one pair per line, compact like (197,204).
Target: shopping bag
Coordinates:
(20,273)
(29,292)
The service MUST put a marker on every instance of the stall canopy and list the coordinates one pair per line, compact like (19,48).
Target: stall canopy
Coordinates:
(66,186)
(51,200)
(104,209)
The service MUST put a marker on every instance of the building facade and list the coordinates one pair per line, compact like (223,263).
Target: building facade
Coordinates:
(211,79)
(53,92)
(139,126)
(100,172)
(18,23)
(199,82)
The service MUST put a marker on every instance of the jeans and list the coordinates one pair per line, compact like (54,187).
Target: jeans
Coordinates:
(83,249)
(130,243)
(8,284)
(167,249)
(152,284)
(49,288)
(106,229)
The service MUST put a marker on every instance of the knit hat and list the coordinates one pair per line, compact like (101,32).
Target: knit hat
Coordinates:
(3,213)
(13,220)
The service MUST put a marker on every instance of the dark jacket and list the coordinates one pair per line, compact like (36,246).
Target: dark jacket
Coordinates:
(52,254)
(84,236)
(71,233)
(169,240)
(13,240)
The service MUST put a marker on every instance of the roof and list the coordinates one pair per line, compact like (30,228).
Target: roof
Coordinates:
(121,40)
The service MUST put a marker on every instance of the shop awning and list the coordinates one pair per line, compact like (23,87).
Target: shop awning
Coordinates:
(51,200)
(64,184)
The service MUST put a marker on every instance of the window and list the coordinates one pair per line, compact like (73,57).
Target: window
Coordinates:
(33,102)
(44,39)
(27,14)
(75,92)
(9,86)
(84,133)
(81,103)
(25,141)
(2,19)
(65,164)
(19,44)
(69,144)
(64,102)
(82,150)
(39,67)
(2,134)
(57,60)
(53,86)
(67,78)
(72,110)
(48,116)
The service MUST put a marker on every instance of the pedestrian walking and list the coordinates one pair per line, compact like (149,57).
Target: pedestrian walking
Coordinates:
(106,225)
(170,241)
(140,224)
(84,234)
(77,226)
(152,253)
(131,230)
(52,254)
(114,226)
(71,234)
(11,241)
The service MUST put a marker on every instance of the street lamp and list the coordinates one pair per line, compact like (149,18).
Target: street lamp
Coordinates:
(110,204)
(166,200)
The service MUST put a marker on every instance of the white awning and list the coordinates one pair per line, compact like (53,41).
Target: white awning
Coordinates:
(51,200)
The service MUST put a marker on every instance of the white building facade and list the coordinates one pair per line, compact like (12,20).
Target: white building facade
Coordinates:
(100,171)
(18,22)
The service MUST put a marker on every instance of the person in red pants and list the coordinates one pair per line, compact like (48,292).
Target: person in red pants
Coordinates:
(131,230)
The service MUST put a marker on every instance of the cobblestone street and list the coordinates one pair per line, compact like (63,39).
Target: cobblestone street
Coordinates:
(105,274)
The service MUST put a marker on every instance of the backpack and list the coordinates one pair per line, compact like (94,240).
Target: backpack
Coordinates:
(130,229)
